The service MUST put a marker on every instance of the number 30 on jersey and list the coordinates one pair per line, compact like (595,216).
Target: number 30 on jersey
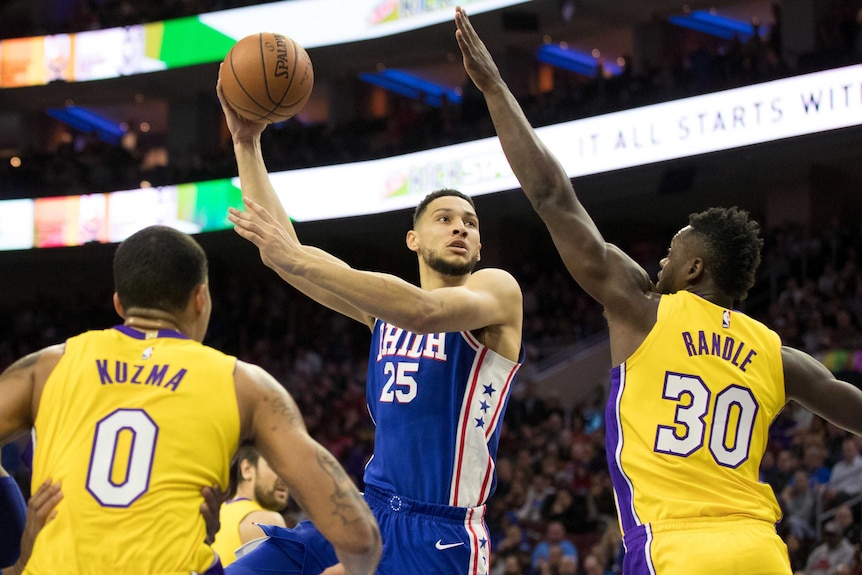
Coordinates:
(729,450)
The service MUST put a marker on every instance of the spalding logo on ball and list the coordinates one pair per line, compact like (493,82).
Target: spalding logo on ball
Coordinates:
(267,77)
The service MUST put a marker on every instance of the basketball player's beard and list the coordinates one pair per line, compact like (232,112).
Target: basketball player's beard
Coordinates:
(267,498)
(440,265)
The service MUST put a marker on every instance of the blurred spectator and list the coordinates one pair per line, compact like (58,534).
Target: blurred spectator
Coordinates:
(845,480)
(593,566)
(539,490)
(555,539)
(847,524)
(568,509)
(506,565)
(812,462)
(833,554)
(779,475)
(798,504)
(526,407)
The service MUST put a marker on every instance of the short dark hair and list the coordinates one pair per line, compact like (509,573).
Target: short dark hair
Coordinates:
(732,243)
(158,268)
(420,209)
(245,452)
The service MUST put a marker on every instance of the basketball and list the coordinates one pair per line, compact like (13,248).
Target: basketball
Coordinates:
(267,77)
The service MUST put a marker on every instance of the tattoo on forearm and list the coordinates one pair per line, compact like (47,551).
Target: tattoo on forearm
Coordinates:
(284,407)
(344,495)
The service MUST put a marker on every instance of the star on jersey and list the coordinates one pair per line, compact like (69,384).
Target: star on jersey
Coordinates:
(484,406)
(480,422)
(489,389)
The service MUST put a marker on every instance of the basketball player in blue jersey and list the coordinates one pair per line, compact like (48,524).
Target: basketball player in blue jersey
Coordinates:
(134,421)
(20,521)
(696,384)
(442,362)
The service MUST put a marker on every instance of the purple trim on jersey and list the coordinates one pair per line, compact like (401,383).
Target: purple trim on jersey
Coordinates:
(138,334)
(216,568)
(614,446)
(638,556)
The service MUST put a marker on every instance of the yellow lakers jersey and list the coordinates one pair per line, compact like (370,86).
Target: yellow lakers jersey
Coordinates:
(688,416)
(227,540)
(133,424)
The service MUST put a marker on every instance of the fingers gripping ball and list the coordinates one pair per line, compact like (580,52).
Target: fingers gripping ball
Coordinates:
(267,77)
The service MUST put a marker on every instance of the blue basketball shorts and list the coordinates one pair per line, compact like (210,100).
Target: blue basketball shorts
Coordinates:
(417,538)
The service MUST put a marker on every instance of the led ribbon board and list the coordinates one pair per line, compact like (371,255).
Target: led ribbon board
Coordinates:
(115,52)
(766,112)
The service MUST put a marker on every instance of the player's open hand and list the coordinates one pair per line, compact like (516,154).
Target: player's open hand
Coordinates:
(241,130)
(337,569)
(278,249)
(213,498)
(478,62)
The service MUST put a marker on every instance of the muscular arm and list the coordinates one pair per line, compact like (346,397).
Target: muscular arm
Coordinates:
(16,397)
(808,382)
(489,297)
(485,299)
(318,482)
(609,276)
(257,186)
(20,389)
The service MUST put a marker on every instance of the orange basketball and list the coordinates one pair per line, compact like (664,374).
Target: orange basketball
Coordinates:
(267,77)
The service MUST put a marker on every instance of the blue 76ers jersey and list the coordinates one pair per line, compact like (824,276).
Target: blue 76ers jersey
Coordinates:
(437,401)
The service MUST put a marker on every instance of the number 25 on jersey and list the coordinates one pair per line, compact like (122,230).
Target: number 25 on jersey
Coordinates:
(400,386)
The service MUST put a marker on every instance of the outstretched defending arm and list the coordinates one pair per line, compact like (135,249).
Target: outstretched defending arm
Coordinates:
(808,382)
(602,270)
(270,417)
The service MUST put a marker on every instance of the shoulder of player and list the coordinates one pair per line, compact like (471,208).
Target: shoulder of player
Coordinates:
(256,390)
(38,364)
(249,526)
(252,376)
(494,279)
(265,517)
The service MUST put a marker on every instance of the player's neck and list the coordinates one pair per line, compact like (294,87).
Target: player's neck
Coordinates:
(245,490)
(430,279)
(713,295)
(151,320)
